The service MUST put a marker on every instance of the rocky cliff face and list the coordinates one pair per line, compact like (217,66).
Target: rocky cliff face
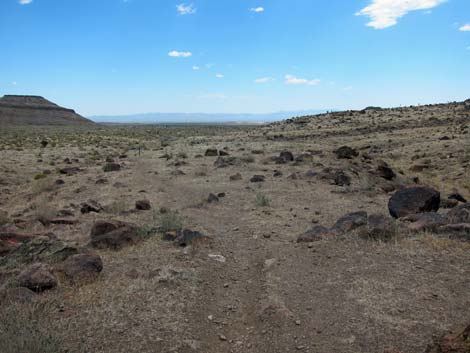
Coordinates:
(35,110)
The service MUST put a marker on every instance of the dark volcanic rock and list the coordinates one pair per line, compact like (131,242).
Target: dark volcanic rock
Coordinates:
(37,277)
(341,179)
(113,235)
(211,152)
(451,343)
(17,295)
(346,152)
(82,266)
(257,178)
(187,237)
(315,234)
(384,171)
(235,177)
(457,196)
(212,198)
(91,206)
(413,200)
(379,227)
(350,222)
(143,205)
(111,167)
(285,157)
(424,221)
(459,214)
(69,170)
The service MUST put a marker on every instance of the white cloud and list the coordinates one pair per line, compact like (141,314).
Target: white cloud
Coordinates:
(14,83)
(219,76)
(292,80)
(210,65)
(196,68)
(185,9)
(25,2)
(180,54)
(257,9)
(263,80)
(385,13)
(465,28)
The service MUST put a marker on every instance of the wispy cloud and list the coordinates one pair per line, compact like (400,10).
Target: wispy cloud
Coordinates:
(385,13)
(196,68)
(257,9)
(219,76)
(185,9)
(465,28)
(180,54)
(292,80)
(25,2)
(14,83)
(263,80)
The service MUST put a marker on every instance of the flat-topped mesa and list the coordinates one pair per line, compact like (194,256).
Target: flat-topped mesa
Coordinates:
(36,110)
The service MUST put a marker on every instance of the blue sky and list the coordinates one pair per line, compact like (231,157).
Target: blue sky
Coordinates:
(134,56)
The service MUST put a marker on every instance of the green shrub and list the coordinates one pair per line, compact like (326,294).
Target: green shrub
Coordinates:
(170,221)
(262,200)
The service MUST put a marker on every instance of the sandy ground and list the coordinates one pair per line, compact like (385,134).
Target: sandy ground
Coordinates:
(265,292)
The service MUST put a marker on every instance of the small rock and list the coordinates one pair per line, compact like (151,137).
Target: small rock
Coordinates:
(143,205)
(111,167)
(218,258)
(235,177)
(350,222)
(315,234)
(91,206)
(212,198)
(257,178)
(37,277)
(211,152)
(346,152)
(113,234)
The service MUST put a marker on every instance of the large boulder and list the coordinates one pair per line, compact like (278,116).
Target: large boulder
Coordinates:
(113,235)
(413,200)
(37,277)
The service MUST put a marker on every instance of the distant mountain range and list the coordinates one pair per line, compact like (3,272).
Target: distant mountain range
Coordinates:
(200,118)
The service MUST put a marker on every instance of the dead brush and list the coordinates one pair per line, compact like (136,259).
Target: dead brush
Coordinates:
(23,328)
(42,185)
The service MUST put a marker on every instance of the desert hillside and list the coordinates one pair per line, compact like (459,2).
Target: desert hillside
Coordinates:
(35,110)
(337,233)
